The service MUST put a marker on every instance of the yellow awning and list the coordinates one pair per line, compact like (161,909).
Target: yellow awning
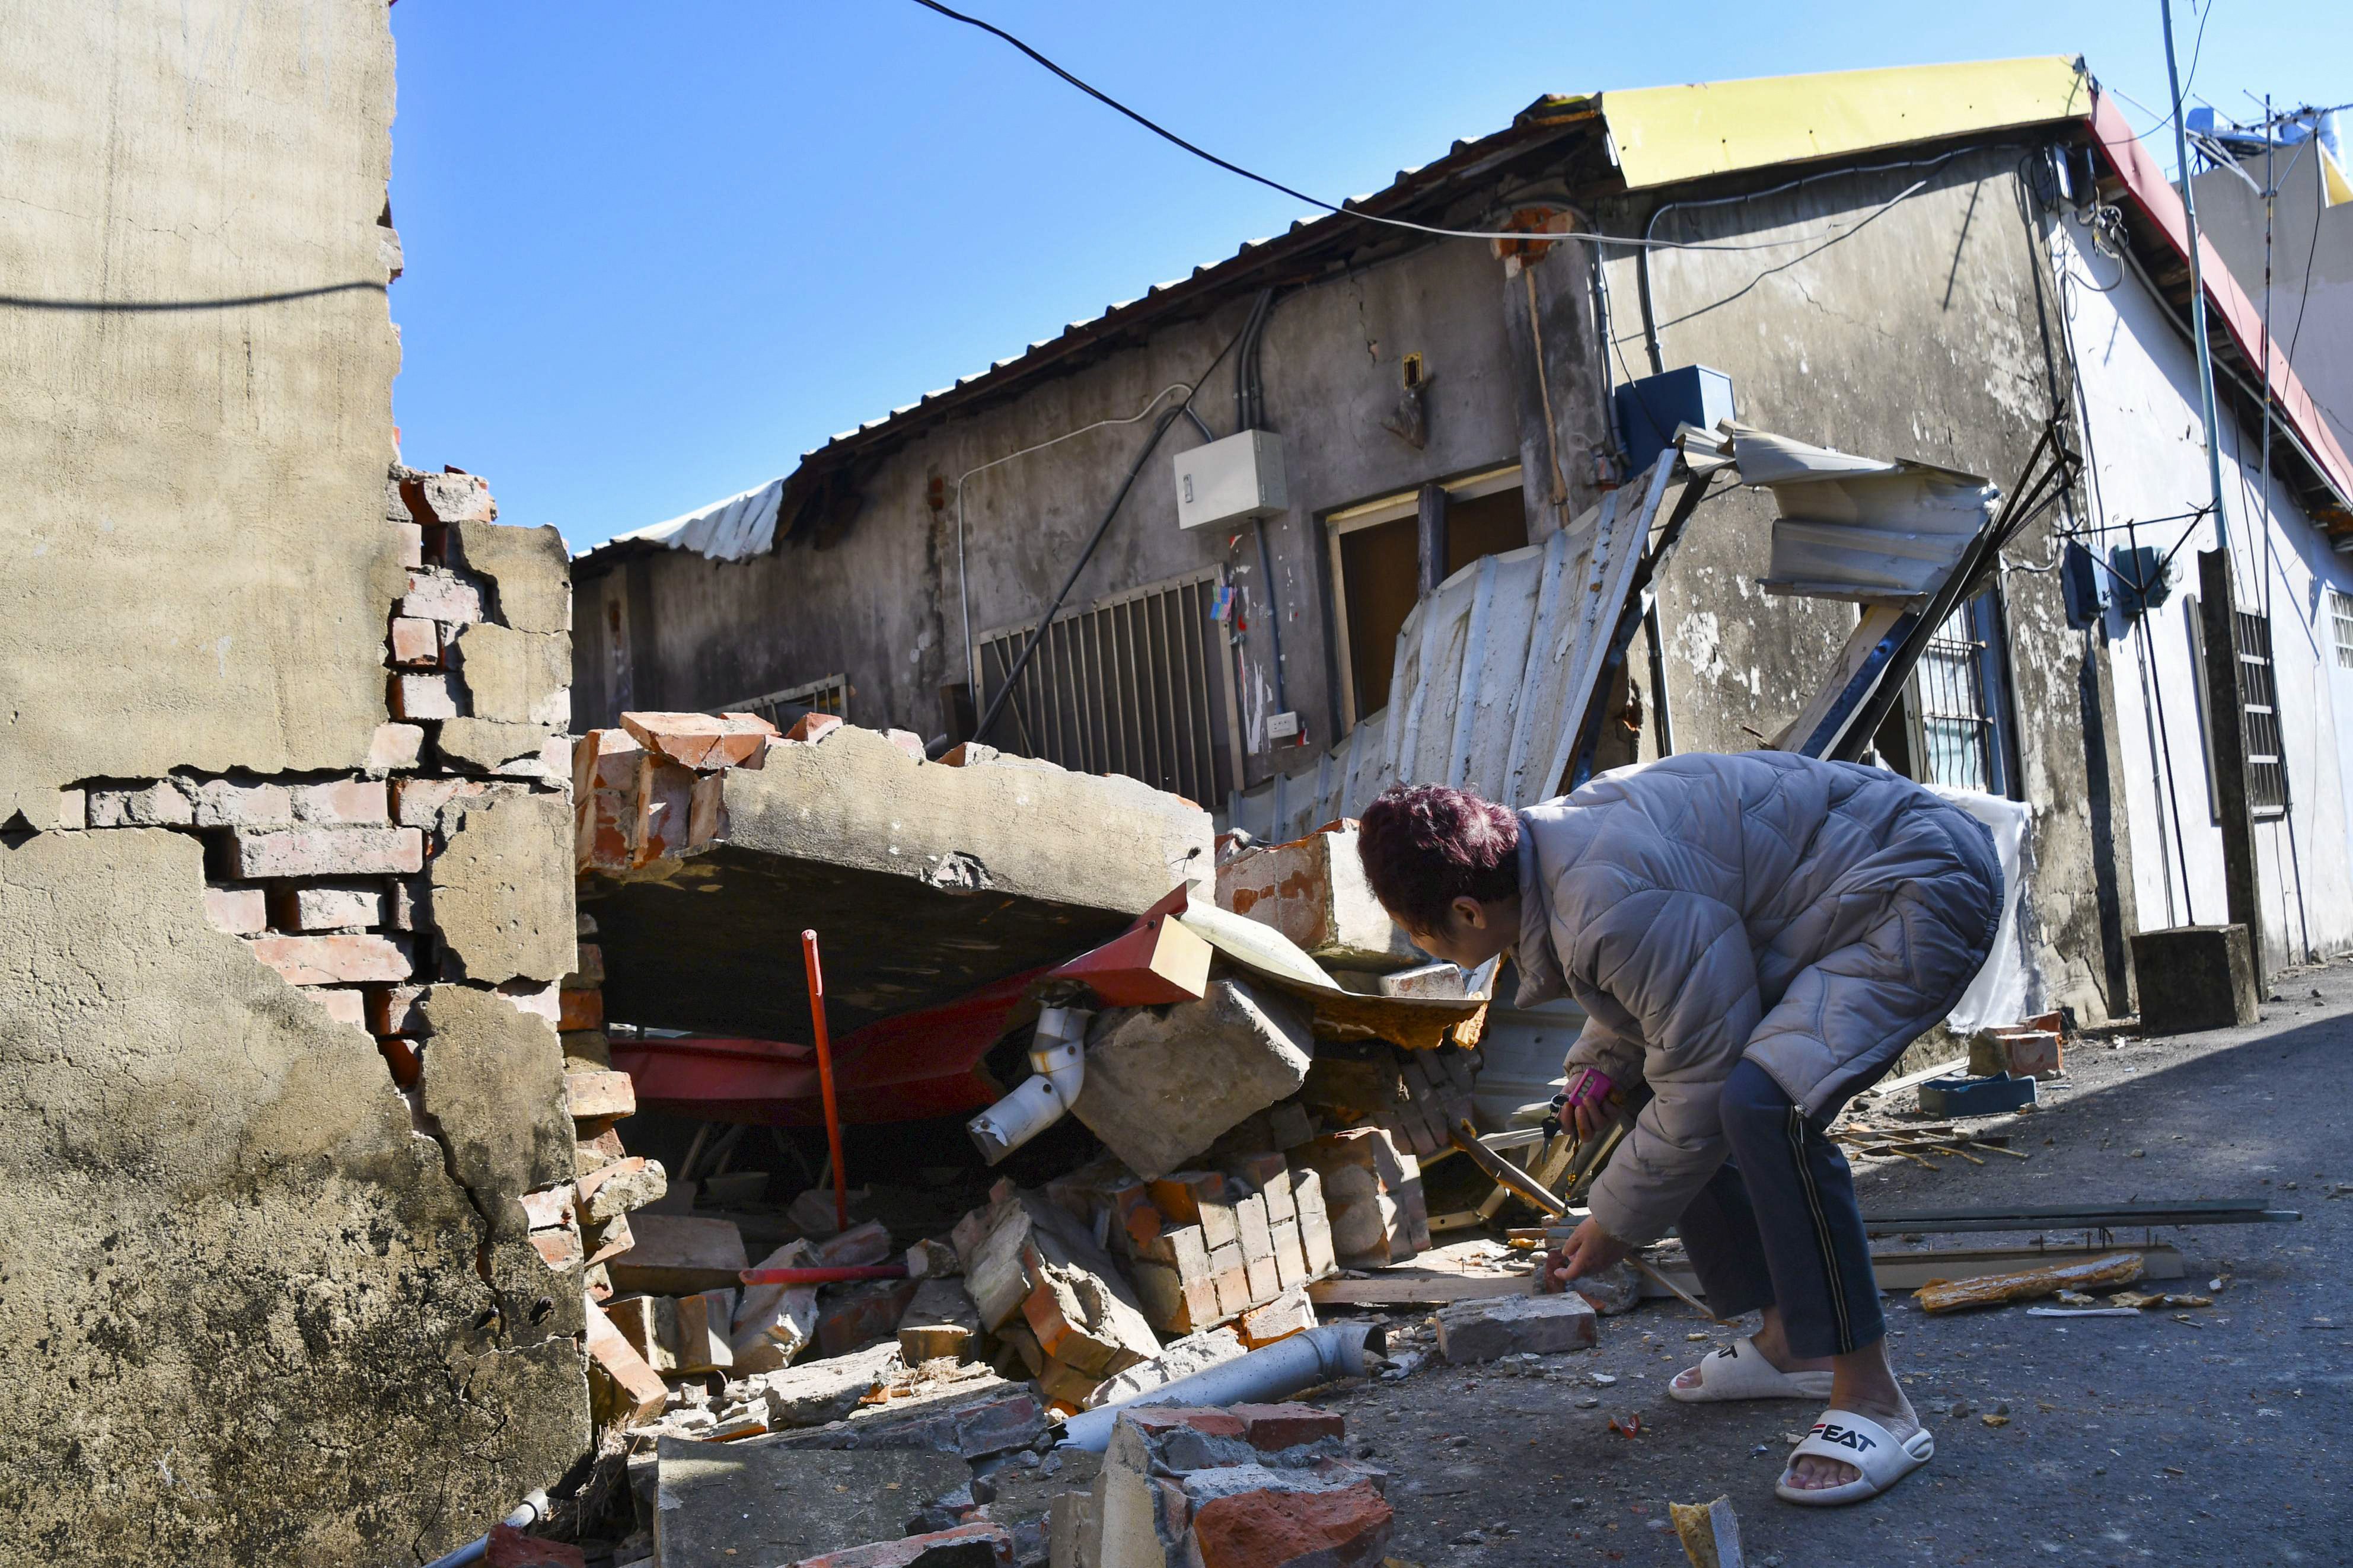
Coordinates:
(1663,134)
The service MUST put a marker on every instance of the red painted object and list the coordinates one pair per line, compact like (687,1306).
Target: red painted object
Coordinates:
(825,1078)
(911,1067)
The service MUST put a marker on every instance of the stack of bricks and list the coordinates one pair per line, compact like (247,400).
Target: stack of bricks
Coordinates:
(613,1182)
(1238,1245)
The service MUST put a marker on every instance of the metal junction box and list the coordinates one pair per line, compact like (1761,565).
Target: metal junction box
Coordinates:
(1228,480)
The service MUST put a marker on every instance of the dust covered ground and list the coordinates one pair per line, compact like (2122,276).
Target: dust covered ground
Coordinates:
(2224,1438)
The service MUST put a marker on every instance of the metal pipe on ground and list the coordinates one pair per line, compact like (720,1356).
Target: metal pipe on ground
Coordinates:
(528,1512)
(1266,1376)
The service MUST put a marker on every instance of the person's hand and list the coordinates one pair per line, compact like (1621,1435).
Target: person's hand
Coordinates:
(1583,1096)
(1589,1249)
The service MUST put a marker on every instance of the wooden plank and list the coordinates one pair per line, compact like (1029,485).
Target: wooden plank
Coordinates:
(1910,1270)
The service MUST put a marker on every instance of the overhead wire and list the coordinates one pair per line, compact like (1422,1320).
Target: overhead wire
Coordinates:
(1342,209)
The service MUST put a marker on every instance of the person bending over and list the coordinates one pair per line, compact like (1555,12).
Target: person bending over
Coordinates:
(1757,938)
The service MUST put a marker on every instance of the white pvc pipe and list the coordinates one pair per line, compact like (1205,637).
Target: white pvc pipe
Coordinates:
(1059,1053)
(1271,1373)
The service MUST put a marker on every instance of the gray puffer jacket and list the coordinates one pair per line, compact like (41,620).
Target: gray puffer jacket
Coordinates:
(1815,918)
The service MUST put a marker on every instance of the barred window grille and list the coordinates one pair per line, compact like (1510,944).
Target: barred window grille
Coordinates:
(1137,684)
(2259,724)
(2340,614)
(1956,704)
(828,695)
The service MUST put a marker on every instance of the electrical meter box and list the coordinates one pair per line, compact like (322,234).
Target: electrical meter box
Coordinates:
(1228,480)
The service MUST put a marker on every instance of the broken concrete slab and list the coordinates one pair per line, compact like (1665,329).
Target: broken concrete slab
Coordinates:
(759,1503)
(679,1255)
(817,1392)
(925,881)
(514,677)
(1249,1485)
(1162,1083)
(529,567)
(500,890)
(1516,1325)
(1177,1359)
(981,1543)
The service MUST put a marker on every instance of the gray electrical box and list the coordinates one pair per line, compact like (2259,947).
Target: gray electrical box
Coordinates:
(1228,480)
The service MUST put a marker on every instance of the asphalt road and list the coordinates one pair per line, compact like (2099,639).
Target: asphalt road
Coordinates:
(2227,1438)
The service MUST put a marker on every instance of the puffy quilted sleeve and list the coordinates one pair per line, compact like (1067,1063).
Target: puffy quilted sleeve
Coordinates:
(1679,963)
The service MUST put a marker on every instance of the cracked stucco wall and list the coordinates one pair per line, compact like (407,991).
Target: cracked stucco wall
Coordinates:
(255,1305)
(1928,332)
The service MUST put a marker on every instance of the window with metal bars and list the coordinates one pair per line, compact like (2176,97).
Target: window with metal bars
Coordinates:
(1956,706)
(2340,616)
(2260,723)
(1139,683)
(828,695)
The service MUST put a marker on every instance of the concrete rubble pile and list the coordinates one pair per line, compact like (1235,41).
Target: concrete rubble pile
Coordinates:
(1266,1062)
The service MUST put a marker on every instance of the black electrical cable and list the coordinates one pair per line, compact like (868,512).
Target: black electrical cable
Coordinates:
(1160,428)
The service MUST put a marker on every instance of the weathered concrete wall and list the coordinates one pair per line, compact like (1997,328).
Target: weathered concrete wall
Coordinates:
(882,603)
(1930,333)
(2146,446)
(162,157)
(255,1305)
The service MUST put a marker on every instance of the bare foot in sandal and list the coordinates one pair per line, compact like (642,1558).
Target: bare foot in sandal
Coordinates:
(1864,1385)
(1773,1344)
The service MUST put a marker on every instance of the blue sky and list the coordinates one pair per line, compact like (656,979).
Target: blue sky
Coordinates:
(654,253)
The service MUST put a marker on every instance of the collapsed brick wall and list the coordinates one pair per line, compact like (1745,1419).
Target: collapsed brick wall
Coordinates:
(424,902)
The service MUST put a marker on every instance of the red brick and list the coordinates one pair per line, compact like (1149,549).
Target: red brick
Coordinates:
(414,642)
(1158,1420)
(409,544)
(1269,1529)
(706,812)
(625,1390)
(2031,1053)
(327,852)
(983,1543)
(811,728)
(344,1006)
(559,1249)
(701,740)
(510,1547)
(581,1010)
(241,911)
(1273,1427)
(227,803)
(345,908)
(159,805)
(450,496)
(546,1210)
(422,697)
(600,1096)
(396,1010)
(352,802)
(396,746)
(418,802)
(617,754)
(906,741)
(862,1314)
(664,803)
(326,960)
(438,595)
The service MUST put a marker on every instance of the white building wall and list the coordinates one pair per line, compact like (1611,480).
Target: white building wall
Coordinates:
(2138,386)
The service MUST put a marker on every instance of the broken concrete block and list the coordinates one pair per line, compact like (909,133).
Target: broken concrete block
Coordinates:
(550,1207)
(623,1389)
(1515,1325)
(941,1322)
(1001,1245)
(443,497)
(2020,1053)
(679,1254)
(703,741)
(817,1392)
(355,803)
(325,960)
(762,1503)
(164,803)
(2193,978)
(621,1186)
(494,745)
(230,803)
(529,568)
(435,594)
(501,893)
(1313,891)
(326,852)
(1242,1485)
(1289,1313)
(605,1239)
(514,678)
(1162,1084)
(396,746)
(1177,1359)
(587,967)
(423,694)
(1074,1532)
(586,1050)
(1084,1319)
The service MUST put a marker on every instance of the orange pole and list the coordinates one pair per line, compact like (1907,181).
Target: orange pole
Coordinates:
(825,1077)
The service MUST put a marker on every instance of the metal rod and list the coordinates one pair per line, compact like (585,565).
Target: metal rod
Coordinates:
(2198,289)
(825,1077)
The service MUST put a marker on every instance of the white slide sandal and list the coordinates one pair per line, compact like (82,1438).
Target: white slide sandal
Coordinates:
(1860,1441)
(1741,1371)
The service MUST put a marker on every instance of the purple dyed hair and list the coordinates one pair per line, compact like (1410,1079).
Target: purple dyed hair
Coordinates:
(1425,846)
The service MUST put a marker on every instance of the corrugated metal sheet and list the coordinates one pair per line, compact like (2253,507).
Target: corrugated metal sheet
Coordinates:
(736,529)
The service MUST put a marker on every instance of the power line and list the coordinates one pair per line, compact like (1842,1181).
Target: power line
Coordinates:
(1339,209)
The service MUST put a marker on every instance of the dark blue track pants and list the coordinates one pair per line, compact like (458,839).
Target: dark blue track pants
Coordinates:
(1777,1225)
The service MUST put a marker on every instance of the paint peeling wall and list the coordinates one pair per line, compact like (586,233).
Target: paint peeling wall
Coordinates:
(2140,408)
(1925,331)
